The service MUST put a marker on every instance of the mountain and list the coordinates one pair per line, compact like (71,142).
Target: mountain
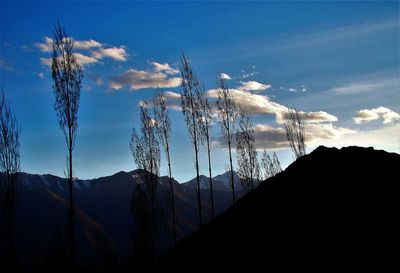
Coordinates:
(220,182)
(332,210)
(103,211)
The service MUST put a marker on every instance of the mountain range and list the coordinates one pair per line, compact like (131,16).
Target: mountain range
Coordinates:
(103,210)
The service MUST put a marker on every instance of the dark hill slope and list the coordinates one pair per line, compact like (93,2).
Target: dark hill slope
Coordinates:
(332,210)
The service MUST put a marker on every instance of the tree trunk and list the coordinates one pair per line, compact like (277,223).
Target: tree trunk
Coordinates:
(71,213)
(230,161)
(198,184)
(211,183)
(172,195)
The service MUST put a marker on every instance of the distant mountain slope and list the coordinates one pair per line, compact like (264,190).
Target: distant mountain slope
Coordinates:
(221,182)
(330,211)
(106,201)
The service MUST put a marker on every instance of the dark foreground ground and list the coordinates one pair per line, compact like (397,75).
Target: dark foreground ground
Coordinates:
(330,211)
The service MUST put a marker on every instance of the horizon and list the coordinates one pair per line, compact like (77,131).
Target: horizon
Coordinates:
(338,62)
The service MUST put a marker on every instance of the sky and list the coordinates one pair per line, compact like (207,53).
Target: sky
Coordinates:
(337,62)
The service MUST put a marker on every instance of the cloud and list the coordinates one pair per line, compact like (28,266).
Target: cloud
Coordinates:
(6,66)
(367,115)
(80,58)
(257,104)
(315,117)
(115,53)
(247,75)
(26,48)
(41,75)
(224,76)
(45,61)
(386,137)
(84,60)
(47,44)
(173,100)
(140,79)
(164,68)
(253,86)
(303,88)
(88,44)
(89,51)
(363,87)
(270,137)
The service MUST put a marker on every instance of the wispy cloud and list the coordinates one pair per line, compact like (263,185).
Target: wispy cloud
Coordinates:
(305,40)
(159,76)
(6,66)
(253,86)
(302,88)
(89,51)
(83,60)
(47,44)
(225,76)
(367,115)
(164,68)
(365,87)
(115,53)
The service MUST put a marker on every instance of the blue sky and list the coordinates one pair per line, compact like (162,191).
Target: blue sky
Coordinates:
(336,61)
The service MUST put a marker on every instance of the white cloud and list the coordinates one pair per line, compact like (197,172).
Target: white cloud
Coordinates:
(115,53)
(84,60)
(367,115)
(47,44)
(317,117)
(80,58)
(385,137)
(275,137)
(253,86)
(254,103)
(173,100)
(88,44)
(140,79)
(260,104)
(303,88)
(224,76)
(164,68)
(89,51)
(46,61)
(270,137)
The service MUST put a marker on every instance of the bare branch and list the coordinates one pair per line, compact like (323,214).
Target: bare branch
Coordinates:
(294,127)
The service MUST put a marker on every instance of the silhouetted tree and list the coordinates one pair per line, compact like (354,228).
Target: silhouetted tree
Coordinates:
(205,127)
(142,236)
(9,168)
(191,112)
(294,127)
(163,129)
(146,153)
(227,118)
(270,166)
(67,76)
(248,166)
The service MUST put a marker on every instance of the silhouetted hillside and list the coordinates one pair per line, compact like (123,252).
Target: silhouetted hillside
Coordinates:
(330,211)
